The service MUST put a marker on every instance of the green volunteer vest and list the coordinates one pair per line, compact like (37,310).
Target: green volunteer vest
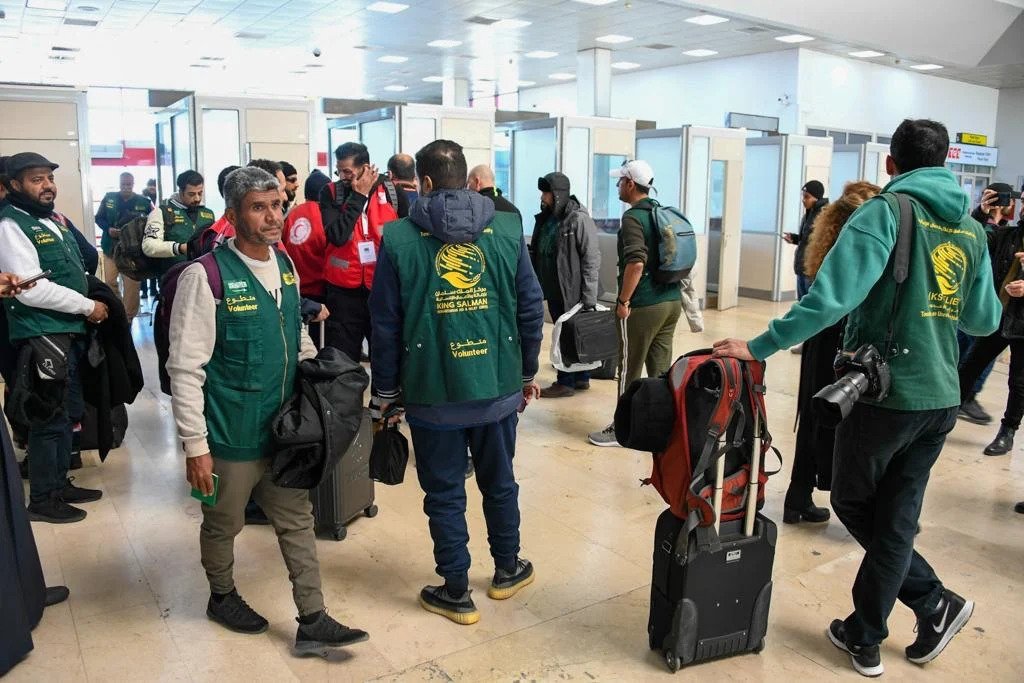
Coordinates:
(252,370)
(178,227)
(136,206)
(943,264)
(647,292)
(460,334)
(62,257)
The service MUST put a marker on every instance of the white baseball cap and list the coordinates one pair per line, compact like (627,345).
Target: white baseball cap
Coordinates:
(640,172)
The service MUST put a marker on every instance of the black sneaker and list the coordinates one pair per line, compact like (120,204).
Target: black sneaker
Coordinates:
(935,632)
(323,634)
(865,658)
(76,494)
(232,612)
(55,511)
(506,584)
(459,609)
(1019,507)
(971,411)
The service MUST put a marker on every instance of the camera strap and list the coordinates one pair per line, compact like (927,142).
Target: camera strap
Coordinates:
(901,263)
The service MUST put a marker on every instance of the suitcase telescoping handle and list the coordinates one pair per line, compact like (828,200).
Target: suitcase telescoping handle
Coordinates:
(754,484)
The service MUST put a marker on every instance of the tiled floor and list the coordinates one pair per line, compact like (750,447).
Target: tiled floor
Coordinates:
(138,593)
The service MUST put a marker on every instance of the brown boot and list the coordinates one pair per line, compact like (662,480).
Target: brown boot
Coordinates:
(557,390)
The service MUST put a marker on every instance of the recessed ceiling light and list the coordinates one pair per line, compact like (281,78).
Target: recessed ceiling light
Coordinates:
(541,54)
(444,43)
(87,8)
(396,88)
(248,35)
(700,52)
(866,54)
(47,4)
(387,7)
(707,20)
(393,59)
(613,39)
(624,66)
(595,2)
(562,76)
(511,23)
(526,84)
(926,67)
(434,79)
(794,38)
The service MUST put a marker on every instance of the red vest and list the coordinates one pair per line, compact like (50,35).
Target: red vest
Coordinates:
(306,242)
(342,267)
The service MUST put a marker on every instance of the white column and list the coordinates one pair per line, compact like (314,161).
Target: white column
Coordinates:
(455,92)
(594,82)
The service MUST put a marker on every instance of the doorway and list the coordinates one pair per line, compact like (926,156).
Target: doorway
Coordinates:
(716,219)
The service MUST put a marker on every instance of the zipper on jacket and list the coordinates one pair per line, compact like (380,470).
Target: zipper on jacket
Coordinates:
(284,342)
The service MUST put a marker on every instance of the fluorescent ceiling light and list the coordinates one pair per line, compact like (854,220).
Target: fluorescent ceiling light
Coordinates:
(624,66)
(396,88)
(47,4)
(562,76)
(707,20)
(541,54)
(595,2)
(393,59)
(700,52)
(866,54)
(444,43)
(926,67)
(613,39)
(434,79)
(526,84)
(387,7)
(511,23)
(794,38)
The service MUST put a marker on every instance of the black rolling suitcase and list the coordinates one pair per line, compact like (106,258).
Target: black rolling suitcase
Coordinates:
(712,602)
(347,491)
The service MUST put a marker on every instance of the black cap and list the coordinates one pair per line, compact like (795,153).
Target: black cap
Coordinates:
(553,182)
(22,161)
(814,188)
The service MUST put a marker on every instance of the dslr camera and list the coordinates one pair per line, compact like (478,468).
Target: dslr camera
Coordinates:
(865,374)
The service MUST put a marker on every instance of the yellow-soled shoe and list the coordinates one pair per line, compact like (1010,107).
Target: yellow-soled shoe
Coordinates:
(506,584)
(461,610)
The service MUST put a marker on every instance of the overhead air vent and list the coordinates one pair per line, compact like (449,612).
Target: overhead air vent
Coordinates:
(211,59)
(753,30)
(59,48)
(312,66)
(249,35)
(658,46)
(200,66)
(71,21)
(62,58)
(482,21)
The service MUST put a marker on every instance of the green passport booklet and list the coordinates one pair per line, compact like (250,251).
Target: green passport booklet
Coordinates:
(210,499)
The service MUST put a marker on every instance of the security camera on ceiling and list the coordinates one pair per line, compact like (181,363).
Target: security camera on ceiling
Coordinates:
(316,52)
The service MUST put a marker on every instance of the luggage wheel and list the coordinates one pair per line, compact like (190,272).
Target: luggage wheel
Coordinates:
(371,511)
(339,533)
(759,647)
(672,661)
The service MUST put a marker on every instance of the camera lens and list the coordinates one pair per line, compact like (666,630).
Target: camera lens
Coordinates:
(833,404)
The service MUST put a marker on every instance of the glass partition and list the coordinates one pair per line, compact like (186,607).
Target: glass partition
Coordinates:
(503,160)
(793,208)
(845,169)
(576,164)
(379,138)
(164,160)
(533,156)
(181,143)
(716,213)
(220,150)
(871,168)
(336,137)
(697,183)
(607,209)
(761,184)
(664,154)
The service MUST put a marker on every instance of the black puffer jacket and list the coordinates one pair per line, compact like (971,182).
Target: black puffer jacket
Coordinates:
(315,428)
(805,234)
(1003,243)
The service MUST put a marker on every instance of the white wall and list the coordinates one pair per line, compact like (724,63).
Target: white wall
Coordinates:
(700,94)
(848,94)
(1010,135)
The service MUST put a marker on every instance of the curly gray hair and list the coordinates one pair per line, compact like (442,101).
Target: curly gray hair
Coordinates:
(245,180)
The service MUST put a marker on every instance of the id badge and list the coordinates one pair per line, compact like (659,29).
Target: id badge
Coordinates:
(367,253)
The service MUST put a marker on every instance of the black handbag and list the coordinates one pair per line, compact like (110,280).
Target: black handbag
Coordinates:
(589,337)
(389,456)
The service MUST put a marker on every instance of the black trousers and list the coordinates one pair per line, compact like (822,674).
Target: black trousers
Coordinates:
(882,462)
(349,323)
(984,351)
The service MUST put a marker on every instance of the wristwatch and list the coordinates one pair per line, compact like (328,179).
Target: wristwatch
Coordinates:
(622,303)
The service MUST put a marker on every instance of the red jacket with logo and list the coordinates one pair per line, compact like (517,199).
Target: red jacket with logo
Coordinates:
(352,264)
(306,242)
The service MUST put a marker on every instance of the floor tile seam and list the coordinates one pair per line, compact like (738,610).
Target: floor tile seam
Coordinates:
(811,659)
(74,621)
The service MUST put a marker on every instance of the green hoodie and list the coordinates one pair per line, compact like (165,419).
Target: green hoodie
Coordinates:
(949,286)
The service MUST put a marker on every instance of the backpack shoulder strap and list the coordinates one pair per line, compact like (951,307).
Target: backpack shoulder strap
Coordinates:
(392,192)
(904,212)
(213,275)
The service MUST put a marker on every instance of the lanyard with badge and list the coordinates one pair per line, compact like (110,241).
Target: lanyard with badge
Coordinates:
(367,249)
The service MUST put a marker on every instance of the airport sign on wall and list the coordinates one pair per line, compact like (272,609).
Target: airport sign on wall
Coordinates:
(975,155)
(972,139)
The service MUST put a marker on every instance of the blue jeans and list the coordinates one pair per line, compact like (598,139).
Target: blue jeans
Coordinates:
(881,466)
(49,445)
(966,342)
(803,285)
(569,379)
(441,469)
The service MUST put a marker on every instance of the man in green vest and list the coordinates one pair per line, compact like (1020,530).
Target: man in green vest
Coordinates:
(116,209)
(51,319)
(458,317)
(885,448)
(172,224)
(232,366)
(647,310)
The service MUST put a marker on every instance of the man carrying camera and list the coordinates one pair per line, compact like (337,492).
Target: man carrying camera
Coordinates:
(886,446)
